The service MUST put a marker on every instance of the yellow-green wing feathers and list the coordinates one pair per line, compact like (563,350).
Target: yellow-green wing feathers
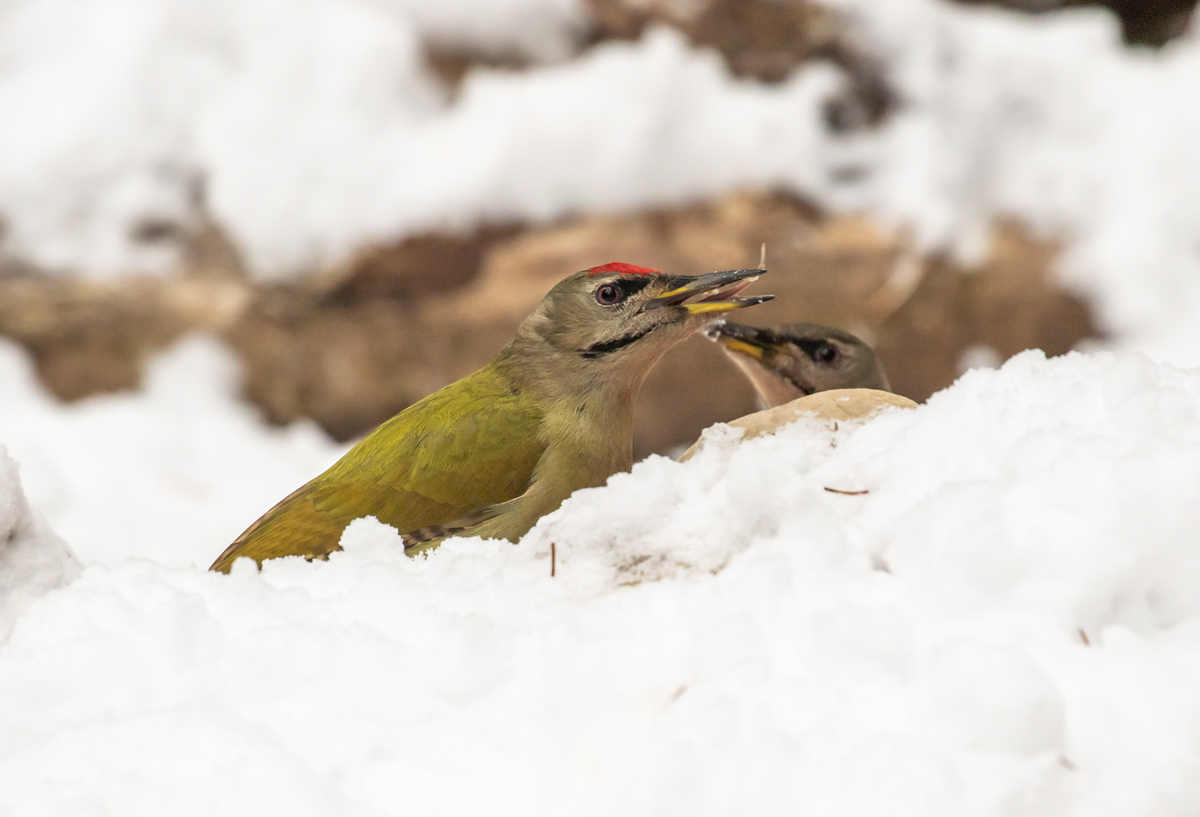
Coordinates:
(473,444)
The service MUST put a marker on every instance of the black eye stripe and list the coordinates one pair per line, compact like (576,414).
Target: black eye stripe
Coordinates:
(631,284)
(628,284)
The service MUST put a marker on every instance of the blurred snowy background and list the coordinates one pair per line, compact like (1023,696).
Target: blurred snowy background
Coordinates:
(236,234)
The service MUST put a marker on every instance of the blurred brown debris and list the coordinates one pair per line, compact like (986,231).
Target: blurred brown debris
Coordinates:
(414,267)
(353,346)
(760,39)
(450,63)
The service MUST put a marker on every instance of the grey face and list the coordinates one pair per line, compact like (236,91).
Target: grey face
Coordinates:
(603,315)
(793,360)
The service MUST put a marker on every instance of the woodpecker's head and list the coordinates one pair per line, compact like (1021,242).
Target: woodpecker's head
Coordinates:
(796,359)
(617,319)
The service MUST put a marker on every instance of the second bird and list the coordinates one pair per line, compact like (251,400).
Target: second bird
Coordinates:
(794,360)
(492,453)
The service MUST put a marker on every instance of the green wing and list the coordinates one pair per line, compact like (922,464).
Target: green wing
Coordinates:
(471,445)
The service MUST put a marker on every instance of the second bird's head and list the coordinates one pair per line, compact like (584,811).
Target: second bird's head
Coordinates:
(622,318)
(798,359)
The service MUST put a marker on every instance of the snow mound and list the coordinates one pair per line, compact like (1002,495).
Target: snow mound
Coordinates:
(1008,621)
(33,560)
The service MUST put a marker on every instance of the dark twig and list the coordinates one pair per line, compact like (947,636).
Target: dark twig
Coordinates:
(845,493)
(553,560)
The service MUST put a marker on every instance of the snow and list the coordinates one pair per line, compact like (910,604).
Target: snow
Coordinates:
(33,559)
(1008,622)
(115,470)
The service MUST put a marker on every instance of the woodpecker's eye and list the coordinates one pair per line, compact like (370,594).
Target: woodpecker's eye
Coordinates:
(608,294)
(826,353)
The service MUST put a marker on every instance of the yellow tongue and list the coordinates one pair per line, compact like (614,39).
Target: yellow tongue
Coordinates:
(749,349)
(701,307)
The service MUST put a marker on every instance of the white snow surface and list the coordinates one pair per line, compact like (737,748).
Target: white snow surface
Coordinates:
(112,473)
(313,126)
(32,558)
(1008,622)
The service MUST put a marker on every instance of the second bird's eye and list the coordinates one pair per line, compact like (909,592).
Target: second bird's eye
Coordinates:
(825,353)
(608,294)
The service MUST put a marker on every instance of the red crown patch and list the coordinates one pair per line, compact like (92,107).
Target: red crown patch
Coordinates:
(630,269)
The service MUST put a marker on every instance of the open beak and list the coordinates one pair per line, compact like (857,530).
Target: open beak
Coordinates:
(747,340)
(717,288)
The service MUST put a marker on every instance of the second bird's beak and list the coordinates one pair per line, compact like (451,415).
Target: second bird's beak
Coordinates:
(719,289)
(746,340)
